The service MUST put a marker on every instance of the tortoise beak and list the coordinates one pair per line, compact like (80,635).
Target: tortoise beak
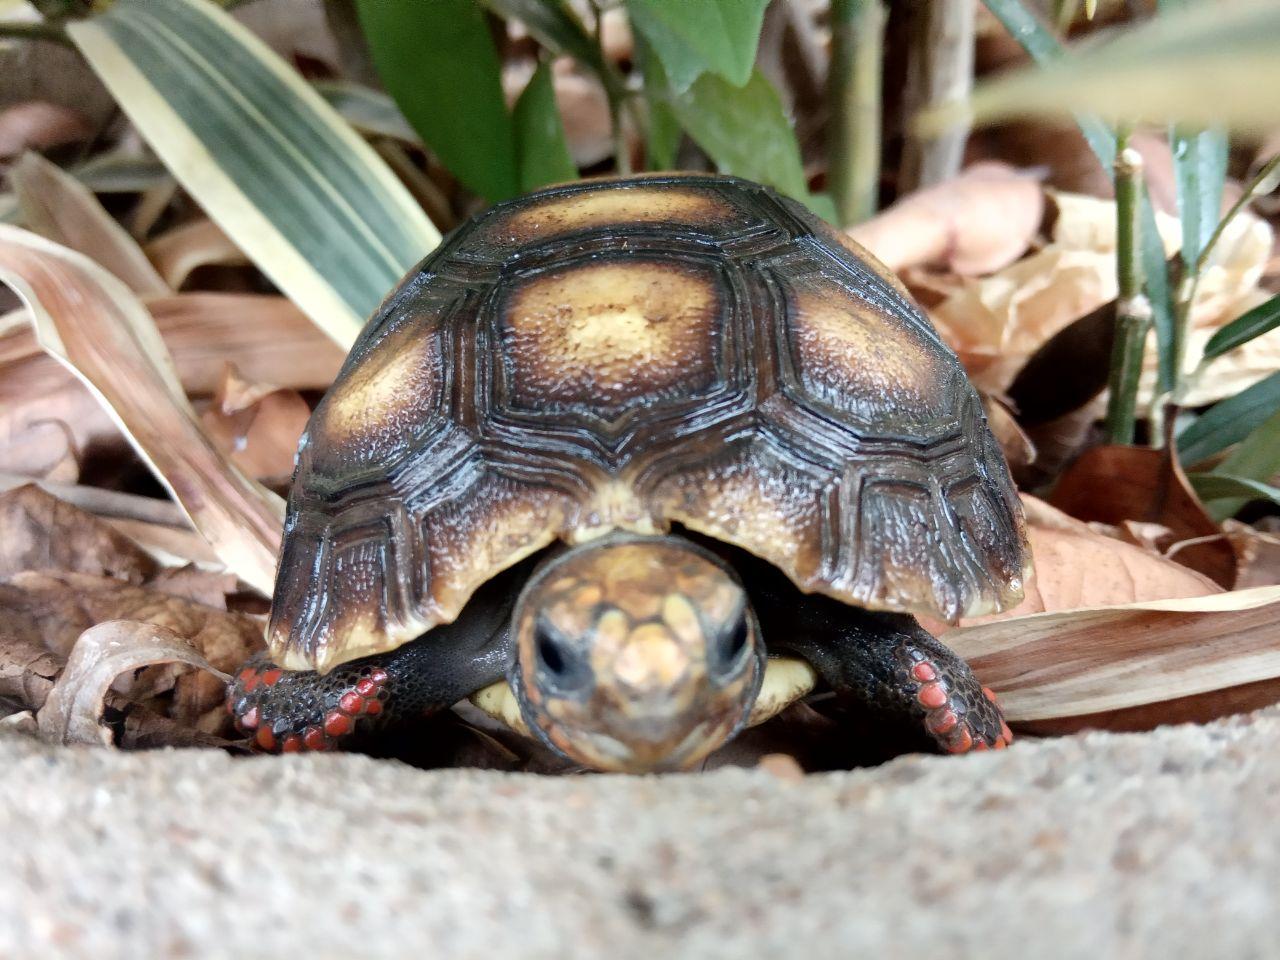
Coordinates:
(658,725)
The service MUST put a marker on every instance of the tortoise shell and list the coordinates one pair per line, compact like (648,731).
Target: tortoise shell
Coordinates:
(628,355)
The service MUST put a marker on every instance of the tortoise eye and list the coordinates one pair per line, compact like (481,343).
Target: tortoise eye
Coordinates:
(562,667)
(727,649)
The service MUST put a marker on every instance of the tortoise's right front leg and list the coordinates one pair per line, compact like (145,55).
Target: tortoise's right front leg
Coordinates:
(284,711)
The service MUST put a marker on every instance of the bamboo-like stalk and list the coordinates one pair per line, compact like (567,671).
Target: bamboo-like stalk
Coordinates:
(19,30)
(853,88)
(1133,309)
(939,72)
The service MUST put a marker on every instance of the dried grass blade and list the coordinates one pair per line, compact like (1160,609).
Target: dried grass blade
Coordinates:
(92,323)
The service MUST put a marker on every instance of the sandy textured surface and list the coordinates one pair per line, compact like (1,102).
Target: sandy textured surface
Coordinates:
(1161,845)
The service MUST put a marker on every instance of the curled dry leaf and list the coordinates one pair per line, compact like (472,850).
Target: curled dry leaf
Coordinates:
(41,450)
(91,322)
(60,208)
(57,608)
(182,250)
(40,532)
(976,223)
(40,125)
(1257,554)
(73,709)
(1018,449)
(256,424)
(996,323)
(1115,484)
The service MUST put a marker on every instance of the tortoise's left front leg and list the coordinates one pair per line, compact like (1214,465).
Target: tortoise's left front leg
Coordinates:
(887,665)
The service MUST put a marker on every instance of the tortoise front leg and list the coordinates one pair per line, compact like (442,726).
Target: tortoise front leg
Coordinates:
(292,710)
(284,711)
(887,667)
(888,664)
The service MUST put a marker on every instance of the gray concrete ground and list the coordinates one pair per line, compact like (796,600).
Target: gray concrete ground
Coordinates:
(1161,845)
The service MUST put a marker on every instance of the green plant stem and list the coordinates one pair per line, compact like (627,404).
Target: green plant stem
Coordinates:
(35,31)
(1186,383)
(853,89)
(1133,309)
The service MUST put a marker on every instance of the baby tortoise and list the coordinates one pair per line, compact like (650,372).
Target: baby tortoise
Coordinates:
(633,463)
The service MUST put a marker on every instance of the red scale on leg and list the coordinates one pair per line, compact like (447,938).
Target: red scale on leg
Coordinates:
(336,723)
(266,739)
(313,739)
(351,703)
(292,744)
(366,687)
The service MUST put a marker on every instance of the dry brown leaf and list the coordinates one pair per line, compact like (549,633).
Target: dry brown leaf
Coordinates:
(167,544)
(73,708)
(182,250)
(64,605)
(41,450)
(979,222)
(60,208)
(996,323)
(40,532)
(91,322)
(267,338)
(1257,554)
(208,588)
(40,125)
(1114,484)
(256,424)
(1079,662)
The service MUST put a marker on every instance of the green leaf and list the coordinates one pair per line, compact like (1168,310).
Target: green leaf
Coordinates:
(1229,421)
(692,37)
(662,132)
(1209,64)
(437,60)
(1200,166)
(553,25)
(1263,318)
(1256,458)
(369,111)
(1222,486)
(543,152)
(278,170)
(744,130)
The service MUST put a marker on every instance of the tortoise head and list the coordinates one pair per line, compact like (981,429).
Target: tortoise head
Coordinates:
(636,654)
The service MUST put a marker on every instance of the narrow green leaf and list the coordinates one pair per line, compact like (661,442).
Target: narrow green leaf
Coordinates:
(1221,486)
(279,171)
(369,111)
(1229,421)
(1200,166)
(1263,318)
(662,132)
(692,37)
(541,147)
(1043,47)
(1256,458)
(437,60)
(1206,65)
(553,24)
(744,130)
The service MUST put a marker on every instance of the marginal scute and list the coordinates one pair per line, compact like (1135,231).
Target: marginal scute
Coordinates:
(636,355)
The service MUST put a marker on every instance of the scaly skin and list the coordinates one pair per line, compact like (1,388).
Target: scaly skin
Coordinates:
(286,711)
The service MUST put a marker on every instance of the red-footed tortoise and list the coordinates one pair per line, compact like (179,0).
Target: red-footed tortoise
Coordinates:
(632,445)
